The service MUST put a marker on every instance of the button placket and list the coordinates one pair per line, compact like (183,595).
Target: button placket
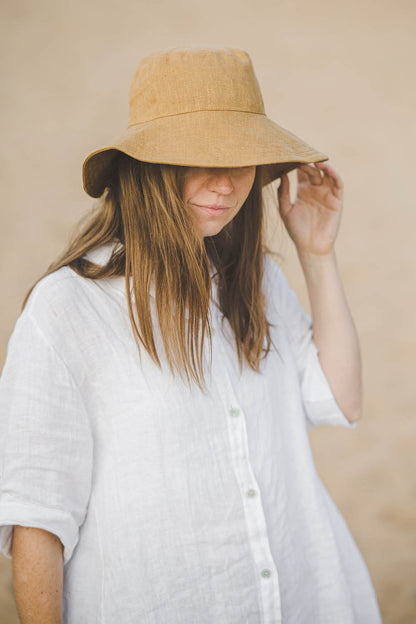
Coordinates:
(257,535)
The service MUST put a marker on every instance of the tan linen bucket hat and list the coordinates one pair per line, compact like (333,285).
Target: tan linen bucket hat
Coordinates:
(199,107)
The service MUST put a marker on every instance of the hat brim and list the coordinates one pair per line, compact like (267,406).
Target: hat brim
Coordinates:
(204,139)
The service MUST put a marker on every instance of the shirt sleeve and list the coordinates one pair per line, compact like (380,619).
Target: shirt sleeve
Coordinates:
(318,399)
(45,441)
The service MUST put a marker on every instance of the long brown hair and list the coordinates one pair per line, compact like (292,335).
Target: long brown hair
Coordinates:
(142,212)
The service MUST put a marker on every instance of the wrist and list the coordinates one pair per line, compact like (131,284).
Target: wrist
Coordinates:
(319,270)
(307,258)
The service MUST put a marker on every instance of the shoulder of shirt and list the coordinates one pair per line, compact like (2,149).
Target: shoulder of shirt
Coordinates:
(50,305)
(55,290)
(65,287)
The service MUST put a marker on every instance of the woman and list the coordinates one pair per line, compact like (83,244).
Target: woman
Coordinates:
(162,378)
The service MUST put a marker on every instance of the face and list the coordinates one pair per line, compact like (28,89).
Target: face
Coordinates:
(214,195)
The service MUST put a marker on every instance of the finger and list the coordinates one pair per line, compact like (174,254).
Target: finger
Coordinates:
(330,171)
(283,193)
(314,175)
(331,175)
(302,175)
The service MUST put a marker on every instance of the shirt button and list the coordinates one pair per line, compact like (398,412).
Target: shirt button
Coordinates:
(234,411)
(266,573)
(251,493)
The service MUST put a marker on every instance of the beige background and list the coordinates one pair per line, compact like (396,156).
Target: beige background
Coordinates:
(338,74)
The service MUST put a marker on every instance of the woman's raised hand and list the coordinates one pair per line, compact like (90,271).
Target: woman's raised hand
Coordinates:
(313,220)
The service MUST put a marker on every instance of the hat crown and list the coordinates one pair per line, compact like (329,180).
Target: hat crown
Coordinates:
(184,80)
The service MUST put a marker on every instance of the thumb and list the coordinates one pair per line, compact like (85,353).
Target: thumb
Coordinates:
(283,194)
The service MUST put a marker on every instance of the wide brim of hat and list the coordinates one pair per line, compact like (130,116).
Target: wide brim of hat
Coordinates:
(204,139)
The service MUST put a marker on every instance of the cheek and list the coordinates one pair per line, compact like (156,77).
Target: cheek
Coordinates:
(190,188)
(246,187)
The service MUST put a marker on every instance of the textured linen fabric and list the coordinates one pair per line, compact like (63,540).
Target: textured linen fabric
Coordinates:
(174,506)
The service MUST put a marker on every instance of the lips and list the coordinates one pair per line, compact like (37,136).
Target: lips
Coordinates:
(213,209)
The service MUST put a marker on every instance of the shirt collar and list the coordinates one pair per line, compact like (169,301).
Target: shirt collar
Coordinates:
(102,254)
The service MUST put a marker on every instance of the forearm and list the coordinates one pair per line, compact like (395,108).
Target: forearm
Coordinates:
(334,332)
(37,563)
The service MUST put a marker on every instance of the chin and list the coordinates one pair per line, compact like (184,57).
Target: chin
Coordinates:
(211,231)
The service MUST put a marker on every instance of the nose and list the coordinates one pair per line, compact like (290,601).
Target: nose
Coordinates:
(220,181)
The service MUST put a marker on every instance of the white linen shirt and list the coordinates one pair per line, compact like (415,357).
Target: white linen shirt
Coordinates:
(174,506)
